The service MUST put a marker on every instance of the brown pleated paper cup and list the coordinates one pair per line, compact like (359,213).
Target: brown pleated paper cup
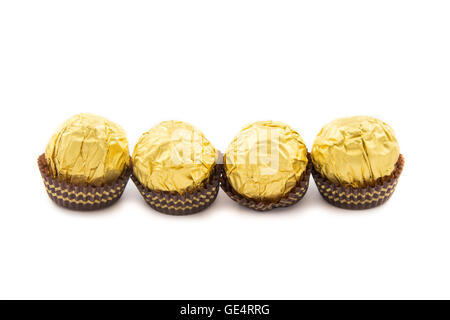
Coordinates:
(359,198)
(78,197)
(174,203)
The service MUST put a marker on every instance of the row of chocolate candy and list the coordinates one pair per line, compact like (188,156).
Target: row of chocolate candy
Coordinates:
(355,162)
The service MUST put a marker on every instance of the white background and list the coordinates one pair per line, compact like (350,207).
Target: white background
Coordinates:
(220,65)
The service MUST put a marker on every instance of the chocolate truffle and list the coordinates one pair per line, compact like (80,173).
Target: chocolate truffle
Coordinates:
(356,151)
(89,150)
(356,161)
(86,163)
(265,162)
(176,161)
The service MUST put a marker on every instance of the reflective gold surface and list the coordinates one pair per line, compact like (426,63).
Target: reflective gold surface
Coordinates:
(88,149)
(265,160)
(173,156)
(355,151)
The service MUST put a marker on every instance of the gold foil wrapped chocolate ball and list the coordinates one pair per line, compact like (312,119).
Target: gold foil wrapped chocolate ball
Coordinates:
(85,165)
(264,163)
(174,167)
(88,149)
(356,156)
(355,151)
(173,156)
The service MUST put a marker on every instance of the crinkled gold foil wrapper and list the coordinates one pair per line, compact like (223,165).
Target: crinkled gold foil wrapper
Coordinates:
(265,160)
(173,156)
(88,149)
(355,151)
